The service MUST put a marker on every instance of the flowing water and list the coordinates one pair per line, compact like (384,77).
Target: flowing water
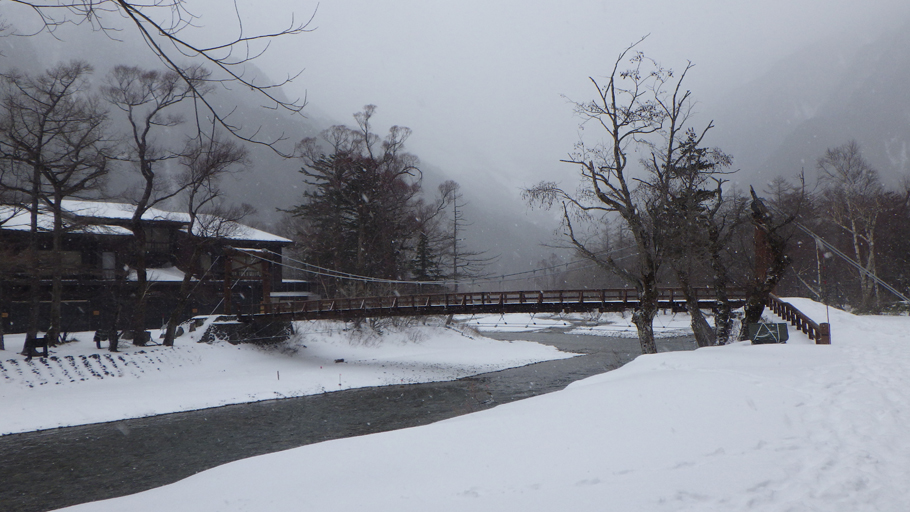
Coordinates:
(55,468)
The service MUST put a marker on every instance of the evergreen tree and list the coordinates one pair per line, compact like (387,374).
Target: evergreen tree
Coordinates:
(426,265)
(363,213)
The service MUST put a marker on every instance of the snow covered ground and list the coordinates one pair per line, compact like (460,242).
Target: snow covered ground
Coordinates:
(599,324)
(80,384)
(793,427)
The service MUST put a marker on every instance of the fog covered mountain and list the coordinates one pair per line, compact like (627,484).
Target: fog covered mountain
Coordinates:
(498,224)
(817,98)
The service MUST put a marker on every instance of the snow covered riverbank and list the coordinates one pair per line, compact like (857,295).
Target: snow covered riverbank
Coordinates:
(773,427)
(81,384)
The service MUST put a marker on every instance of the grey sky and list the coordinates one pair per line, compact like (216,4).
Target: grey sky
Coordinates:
(480,82)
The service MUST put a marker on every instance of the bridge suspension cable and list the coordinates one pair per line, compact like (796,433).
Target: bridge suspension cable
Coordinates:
(325,272)
(855,264)
(850,261)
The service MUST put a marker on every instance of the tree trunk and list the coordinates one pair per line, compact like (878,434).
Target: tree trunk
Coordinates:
(114,341)
(866,283)
(182,299)
(761,291)
(117,306)
(137,322)
(174,319)
(770,247)
(704,334)
(57,283)
(2,320)
(723,313)
(870,286)
(34,277)
(643,317)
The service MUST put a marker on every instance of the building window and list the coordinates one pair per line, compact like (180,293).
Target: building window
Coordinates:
(108,265)
(205,264)
(158,240)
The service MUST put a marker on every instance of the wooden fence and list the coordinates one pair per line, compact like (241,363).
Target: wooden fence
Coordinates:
(821,333)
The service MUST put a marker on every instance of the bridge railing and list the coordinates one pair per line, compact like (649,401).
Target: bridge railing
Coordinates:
(462,300)
(821,333)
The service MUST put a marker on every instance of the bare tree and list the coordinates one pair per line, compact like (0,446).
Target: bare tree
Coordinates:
(854,199)
(52,139)
(722,223)
(642,107)
(166,27)
(205,163)
(146,98)
(696,230)
(81,170)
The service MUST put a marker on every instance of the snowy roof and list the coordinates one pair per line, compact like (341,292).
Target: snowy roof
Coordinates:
(236,231)
(121,211)
(19,219)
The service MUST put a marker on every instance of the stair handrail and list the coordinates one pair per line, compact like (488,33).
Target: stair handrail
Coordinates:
(820,332)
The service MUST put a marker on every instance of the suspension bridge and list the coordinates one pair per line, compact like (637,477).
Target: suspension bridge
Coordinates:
(550,301)
(473,303)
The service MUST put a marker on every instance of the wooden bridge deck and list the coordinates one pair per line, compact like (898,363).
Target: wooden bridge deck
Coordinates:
(554,301)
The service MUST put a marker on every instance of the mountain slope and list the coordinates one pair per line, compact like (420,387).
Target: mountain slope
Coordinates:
(821,97)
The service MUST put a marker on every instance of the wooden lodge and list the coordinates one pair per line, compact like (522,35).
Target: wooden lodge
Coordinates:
(99,278)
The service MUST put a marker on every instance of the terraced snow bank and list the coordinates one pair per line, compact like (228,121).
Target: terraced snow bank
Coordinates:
(793,427)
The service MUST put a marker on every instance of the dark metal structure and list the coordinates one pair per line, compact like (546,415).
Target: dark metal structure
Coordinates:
(551,301)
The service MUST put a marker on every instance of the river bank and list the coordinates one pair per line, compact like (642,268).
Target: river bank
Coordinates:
(55,468)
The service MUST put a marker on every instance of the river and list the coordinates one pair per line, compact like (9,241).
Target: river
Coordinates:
(50,469)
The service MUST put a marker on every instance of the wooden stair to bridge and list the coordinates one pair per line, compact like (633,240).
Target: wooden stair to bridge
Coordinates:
(551,301)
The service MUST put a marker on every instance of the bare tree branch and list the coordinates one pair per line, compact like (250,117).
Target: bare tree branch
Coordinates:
(163,26)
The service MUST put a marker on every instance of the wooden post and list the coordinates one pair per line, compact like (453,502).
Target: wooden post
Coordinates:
(228,269)
(824,334)
(266,275)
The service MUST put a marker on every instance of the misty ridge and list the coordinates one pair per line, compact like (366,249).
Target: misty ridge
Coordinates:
(816,98)
(819,97)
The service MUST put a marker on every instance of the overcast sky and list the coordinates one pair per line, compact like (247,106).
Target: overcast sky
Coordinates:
(481,82)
